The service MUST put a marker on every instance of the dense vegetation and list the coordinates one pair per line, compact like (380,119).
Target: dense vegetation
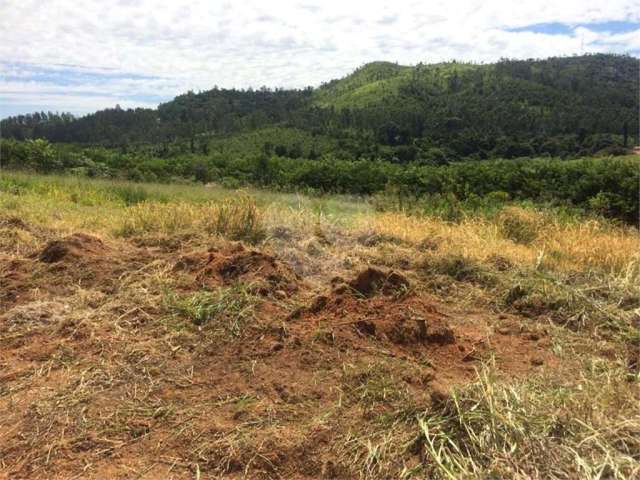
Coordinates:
(606,186)
(432,114)
(407,132)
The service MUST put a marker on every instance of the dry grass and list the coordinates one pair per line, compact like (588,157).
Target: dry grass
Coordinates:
(235,218)
(537,429)
(590,245)
(158,377)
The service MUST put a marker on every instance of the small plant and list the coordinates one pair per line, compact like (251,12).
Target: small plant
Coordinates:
(372,384)
(129,194)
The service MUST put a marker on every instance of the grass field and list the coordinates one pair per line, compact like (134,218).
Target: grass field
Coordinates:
(178,331)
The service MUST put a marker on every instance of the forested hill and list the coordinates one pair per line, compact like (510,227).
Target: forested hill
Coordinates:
(430,112)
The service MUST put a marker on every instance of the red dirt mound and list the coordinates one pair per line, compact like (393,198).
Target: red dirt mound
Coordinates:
(14,276)
(405,322)
(237,264)
(75,246)
(63,265)
(411,326)
(370,281)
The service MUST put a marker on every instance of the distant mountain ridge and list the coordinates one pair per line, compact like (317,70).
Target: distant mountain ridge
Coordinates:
(508,108)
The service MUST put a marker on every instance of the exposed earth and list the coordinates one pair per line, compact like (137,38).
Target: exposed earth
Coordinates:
(163,358)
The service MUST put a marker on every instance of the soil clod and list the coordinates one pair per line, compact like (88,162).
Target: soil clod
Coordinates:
(370,281)
(234,263)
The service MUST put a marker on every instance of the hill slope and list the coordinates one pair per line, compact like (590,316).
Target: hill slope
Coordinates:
(514,108)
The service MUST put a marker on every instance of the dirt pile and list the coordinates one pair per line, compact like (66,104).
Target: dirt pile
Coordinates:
(406,321)
(76,246)
(235,263)
(377,311)
(64,264)
(372,280)
(70,357)
(14,277)
(375,303)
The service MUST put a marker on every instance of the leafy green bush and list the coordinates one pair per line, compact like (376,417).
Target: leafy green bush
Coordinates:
(604,186)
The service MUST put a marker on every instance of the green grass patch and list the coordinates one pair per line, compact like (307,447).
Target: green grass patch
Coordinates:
(225,311)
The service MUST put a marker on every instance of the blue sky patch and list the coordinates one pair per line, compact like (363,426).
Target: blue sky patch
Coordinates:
(557,28)
(64,75)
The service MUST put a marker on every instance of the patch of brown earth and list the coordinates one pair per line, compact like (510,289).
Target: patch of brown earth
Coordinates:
(77,260)
(372,280)
(74,247)
(234,263)
(15,280)
(115,392)
(407,325)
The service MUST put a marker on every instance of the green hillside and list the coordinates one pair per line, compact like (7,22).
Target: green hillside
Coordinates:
(431,113)
(377,82)
(364,86)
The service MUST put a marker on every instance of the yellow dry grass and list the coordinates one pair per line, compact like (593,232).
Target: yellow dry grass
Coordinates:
(566,247)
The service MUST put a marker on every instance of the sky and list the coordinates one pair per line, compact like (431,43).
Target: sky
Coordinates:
(79,56)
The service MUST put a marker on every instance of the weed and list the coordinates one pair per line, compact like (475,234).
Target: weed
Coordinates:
(371,384)
(237,219)
(226,310)
(129,194)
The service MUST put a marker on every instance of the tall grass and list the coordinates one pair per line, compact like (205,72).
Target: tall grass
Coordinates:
(236,218)
(531,429)
(525,237)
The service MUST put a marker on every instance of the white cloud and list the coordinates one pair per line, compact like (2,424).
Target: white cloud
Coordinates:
(201,43)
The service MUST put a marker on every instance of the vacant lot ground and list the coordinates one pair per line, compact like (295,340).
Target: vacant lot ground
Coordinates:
(189,332)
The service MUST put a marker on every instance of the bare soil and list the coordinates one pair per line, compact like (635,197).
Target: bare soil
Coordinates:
(96,382)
